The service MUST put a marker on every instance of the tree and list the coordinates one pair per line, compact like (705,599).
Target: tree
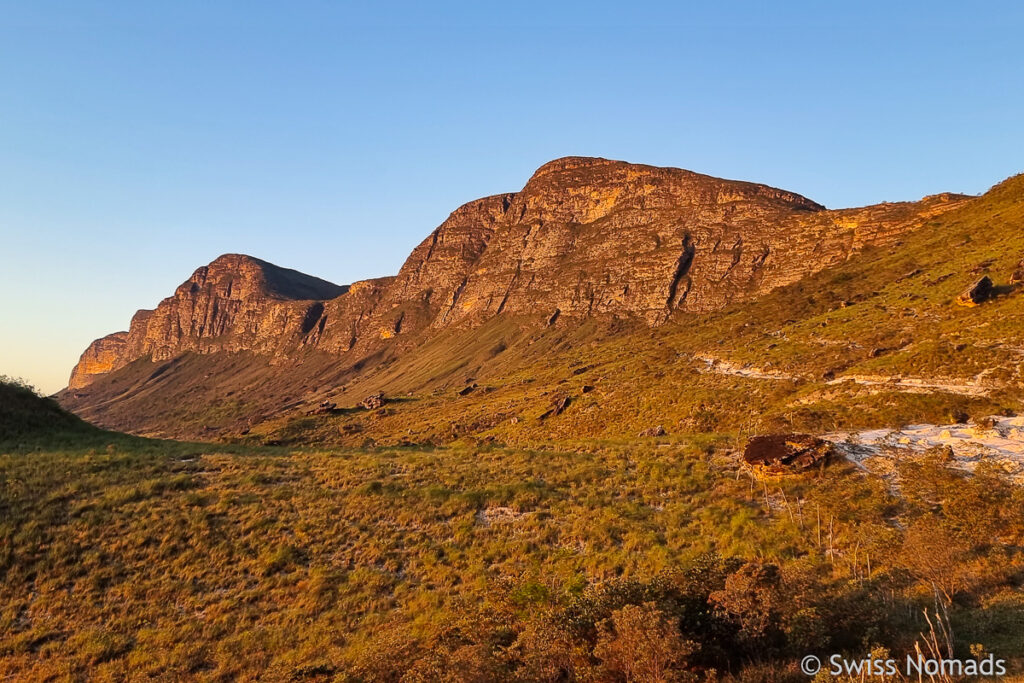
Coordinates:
(935,556)
(751,596)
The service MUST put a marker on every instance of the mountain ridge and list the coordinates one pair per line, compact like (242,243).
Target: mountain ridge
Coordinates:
(585,238)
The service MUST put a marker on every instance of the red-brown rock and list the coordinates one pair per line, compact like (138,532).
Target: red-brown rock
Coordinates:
(778,454)
(978,293)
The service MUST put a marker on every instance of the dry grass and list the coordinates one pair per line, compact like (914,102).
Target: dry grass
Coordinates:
(146,558)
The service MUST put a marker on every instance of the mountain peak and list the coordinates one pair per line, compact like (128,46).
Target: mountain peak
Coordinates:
(230,260)
(596,183)
(246,276)
(218,308)
(570,163)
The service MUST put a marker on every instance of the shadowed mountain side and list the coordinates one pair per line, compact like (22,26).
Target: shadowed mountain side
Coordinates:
(211,396)
(28,419)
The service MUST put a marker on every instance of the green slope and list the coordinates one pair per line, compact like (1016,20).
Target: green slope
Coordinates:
(27,418)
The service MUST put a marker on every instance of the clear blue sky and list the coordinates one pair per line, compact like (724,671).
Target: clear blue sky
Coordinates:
(139,140)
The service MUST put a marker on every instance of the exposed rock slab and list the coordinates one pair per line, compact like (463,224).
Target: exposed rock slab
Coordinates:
(996,439)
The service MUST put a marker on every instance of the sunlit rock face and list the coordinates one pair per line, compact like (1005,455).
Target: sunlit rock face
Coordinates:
(597,237)
(103,355)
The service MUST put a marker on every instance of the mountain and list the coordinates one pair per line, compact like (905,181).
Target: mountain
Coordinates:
(235,303)
(588,249)
(595,496)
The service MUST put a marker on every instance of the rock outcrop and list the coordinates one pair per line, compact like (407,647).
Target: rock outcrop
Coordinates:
(584,238)
(978,293)
(235,303)
(779,454)
(103,356)
(373,401)
(1017,276)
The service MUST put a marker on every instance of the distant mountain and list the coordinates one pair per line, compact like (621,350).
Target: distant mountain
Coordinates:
(588,244)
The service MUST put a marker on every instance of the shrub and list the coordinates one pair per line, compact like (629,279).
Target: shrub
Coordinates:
(640,643)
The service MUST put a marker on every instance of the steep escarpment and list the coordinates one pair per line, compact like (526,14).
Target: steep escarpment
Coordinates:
(235,303)
(584,238)
(596,237)
(103,356)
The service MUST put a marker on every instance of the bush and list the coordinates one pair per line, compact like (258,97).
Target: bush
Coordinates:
(640,643)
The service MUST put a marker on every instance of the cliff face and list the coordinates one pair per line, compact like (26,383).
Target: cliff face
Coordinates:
(103,356)
(590,236)
(235,303)
(584,237)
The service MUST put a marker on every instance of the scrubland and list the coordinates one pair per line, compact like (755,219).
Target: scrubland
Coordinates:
(641,560)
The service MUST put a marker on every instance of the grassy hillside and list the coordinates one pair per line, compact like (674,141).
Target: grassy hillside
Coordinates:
(146,558)
(26,418)
(125,558)
(893,312)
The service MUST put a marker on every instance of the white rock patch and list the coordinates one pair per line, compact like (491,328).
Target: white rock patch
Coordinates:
(1002,443)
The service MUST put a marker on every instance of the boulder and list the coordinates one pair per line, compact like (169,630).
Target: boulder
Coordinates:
(775,454)
(1018,273)
(560,404)
(373,401)
(653,431)
(977,293)
(324,407)
(959,417)
(988,422)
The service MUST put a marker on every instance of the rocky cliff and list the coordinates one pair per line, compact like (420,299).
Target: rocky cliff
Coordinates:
(235,303)
(584,238)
